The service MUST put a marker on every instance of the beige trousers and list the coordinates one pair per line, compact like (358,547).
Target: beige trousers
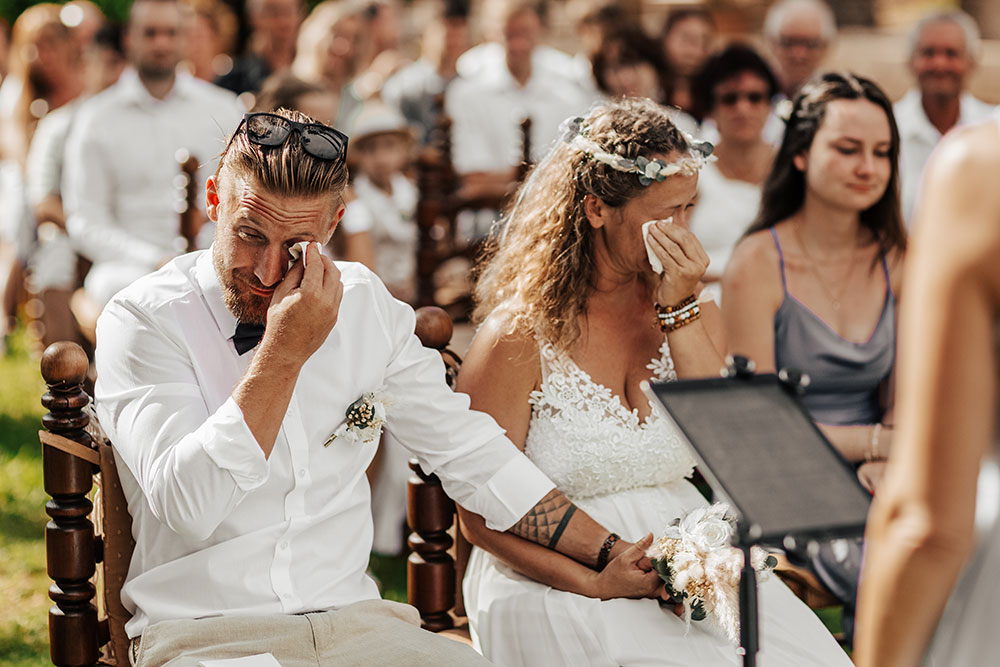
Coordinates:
(373,632)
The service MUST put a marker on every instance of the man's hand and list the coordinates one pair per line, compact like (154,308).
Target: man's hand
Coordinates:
(684,262)
(625,577)
(304,306)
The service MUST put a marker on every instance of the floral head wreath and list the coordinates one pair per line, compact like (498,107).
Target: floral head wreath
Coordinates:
(574,133)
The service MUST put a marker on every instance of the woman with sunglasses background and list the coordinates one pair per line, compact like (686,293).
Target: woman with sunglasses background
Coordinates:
(733,90)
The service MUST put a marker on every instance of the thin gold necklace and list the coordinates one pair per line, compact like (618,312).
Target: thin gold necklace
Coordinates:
(835,299)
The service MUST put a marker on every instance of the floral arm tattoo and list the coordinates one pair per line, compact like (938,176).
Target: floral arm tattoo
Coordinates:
(545,522)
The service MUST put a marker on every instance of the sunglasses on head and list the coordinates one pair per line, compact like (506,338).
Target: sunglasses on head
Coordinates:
(732,99)
(271,130)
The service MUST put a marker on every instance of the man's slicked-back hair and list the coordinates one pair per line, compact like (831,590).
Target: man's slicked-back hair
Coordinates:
(286,169)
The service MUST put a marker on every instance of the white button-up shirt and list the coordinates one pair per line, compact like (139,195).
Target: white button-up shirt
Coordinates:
(121,189)
(918,137)
(487,111)
(219,529)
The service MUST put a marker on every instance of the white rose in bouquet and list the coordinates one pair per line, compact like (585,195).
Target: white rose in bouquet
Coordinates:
(702,570)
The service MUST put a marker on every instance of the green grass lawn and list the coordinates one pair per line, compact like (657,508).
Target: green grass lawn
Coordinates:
(24,585)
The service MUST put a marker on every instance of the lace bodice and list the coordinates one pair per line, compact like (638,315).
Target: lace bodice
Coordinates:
(585,440)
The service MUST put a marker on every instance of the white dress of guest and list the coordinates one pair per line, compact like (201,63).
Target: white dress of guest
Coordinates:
(725,209)
(918,137)
(120,193)
(630,477)
(389,218)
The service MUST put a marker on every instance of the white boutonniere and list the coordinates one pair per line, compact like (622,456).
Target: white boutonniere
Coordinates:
(363,420)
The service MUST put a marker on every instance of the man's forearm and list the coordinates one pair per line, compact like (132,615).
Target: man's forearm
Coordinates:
(264,394)
(556,523)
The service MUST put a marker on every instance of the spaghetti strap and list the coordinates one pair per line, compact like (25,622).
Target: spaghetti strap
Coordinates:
(888,279)
(781,258)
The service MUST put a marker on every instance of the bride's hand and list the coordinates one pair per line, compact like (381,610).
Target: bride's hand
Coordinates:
(624,576)
(684,262)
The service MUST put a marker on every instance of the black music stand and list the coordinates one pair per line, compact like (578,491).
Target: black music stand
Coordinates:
(761,452)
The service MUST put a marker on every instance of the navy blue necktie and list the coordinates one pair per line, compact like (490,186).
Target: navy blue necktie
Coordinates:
(247,336)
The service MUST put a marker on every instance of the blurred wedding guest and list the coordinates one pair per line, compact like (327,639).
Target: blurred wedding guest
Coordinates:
(274,27)
(734,89)
(211,37)
(52,274)
(930,589)
(121,161)
(329,51)
(814,283)
(799,33)
(687,37)
(491,55)
(416,89)
(383,56)
(379,223)
(84,18)
(286,91)
(944,47)
(487,109)
(45,74)
(628,63)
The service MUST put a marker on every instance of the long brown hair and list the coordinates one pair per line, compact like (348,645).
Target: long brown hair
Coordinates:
(785,188)
(539,269)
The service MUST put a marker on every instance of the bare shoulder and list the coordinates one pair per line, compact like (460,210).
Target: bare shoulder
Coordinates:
(754,266)
(957,224)
(500,357)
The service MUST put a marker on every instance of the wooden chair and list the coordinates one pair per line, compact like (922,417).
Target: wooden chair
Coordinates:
(441,200)
(89,543)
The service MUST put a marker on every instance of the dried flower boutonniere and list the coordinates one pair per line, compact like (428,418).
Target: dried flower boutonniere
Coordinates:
(363,420)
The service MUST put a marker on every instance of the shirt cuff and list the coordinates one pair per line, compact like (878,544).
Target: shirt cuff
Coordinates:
(231,445)
(508,495)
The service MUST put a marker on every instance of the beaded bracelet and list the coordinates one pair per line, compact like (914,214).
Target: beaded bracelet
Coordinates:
(672,318)
(602,555)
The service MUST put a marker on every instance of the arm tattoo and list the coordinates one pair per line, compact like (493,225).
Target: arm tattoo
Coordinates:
(545,522)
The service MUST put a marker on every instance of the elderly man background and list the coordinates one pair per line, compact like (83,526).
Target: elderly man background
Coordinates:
(944,47)
(799,33)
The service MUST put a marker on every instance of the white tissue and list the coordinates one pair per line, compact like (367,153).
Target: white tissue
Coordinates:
(654,261)
(296,251)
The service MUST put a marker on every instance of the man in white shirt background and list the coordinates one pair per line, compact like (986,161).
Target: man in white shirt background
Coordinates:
(121,168)
(227,381)
(488,105)
(944,47)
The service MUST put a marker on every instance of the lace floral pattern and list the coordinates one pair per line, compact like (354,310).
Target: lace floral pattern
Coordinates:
(585,440)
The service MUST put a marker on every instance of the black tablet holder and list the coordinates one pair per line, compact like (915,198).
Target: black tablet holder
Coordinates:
(763,455)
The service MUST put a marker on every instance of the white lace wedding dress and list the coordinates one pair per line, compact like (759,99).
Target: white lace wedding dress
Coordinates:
(629,476)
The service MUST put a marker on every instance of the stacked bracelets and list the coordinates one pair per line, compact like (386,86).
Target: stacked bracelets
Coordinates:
(673,318)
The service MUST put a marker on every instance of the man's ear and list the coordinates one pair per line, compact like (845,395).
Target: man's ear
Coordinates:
(212,199)
(598,213)
(334,221)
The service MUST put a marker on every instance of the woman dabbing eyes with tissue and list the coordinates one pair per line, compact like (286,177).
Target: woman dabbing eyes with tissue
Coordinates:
(574,319)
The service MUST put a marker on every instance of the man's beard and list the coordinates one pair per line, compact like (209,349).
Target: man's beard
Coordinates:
(156,72)
(248,308)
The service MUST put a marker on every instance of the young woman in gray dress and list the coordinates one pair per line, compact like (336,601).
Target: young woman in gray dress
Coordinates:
(813,285)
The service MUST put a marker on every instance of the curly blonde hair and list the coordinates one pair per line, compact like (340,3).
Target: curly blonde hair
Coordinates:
(538,271)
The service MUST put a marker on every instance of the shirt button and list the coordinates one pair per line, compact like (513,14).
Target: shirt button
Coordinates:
(283,545)
(302,472)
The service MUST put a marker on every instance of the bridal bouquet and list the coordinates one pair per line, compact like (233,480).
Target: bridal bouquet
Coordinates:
(702,570)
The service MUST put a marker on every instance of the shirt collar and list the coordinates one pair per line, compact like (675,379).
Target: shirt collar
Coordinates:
(913,121)
(131,86)
(211,289)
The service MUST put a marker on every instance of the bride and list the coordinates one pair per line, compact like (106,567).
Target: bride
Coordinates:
(574,319)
